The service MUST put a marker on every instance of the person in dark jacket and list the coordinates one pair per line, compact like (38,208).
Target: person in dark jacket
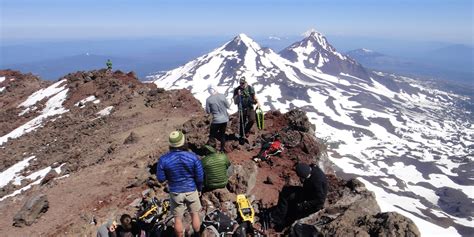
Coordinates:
(128,227)
(183,171)
(107,229)
(295,202)
(244,97)
(217,105)
(215,165)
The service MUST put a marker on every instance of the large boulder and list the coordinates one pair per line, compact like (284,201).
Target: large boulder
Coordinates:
(355,213)
(217,198)
(131,139)
(389,224)
(31,211)
(243,178)
(297,120)
(197,132)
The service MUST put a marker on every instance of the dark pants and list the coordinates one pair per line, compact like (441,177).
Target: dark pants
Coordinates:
(285,211)
(218,132)
(249,119)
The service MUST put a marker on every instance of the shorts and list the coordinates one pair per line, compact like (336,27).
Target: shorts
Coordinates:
(180,201)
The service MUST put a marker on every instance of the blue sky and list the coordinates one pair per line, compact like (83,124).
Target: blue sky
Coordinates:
(426,20)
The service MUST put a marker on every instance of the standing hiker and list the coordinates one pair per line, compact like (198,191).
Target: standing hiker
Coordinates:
(295,201)
(183,171)
(217,105)
(109,64)
(215,165)
(244,97)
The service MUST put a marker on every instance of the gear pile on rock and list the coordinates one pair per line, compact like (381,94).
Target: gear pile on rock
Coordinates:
(108,163)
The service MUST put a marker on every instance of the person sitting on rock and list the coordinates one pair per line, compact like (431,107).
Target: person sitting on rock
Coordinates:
(128,227)
(107,229)
(295,202)
(217,105)
(183,171)
(215,165)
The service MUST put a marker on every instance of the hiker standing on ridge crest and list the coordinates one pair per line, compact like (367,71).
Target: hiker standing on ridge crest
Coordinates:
(295,202)
(184,173)
(244,97)
(109,64)
(217,105)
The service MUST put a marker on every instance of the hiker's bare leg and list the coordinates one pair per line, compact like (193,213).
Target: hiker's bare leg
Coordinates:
(178,226)
(196,222)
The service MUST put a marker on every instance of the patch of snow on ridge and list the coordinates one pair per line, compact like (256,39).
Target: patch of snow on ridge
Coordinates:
(36,177)
(2,88)
(106,111)
(81,104)
(2,79)
(43,93)
(53,107)
(11,173)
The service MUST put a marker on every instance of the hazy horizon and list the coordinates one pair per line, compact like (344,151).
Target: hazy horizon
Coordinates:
(423,20)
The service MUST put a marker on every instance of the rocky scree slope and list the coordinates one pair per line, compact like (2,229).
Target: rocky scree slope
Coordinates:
(110,127)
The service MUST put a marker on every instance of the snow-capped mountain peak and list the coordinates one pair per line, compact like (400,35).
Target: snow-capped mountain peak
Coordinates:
(310,32)
(314,52)
(241,56)
(318,39)
(242,43)
(244,38)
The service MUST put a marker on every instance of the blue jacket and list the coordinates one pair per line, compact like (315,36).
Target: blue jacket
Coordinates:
(182,169)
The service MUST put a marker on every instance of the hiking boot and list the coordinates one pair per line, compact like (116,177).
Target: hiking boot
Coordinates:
(278,227)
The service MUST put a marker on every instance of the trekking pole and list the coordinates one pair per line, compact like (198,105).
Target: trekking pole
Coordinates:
(266,219)
(241,116)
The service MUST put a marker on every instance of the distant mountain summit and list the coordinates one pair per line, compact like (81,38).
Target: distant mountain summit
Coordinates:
(362,52)
(314,52)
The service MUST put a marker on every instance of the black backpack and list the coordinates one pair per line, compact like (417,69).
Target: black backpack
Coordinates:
(221,222)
